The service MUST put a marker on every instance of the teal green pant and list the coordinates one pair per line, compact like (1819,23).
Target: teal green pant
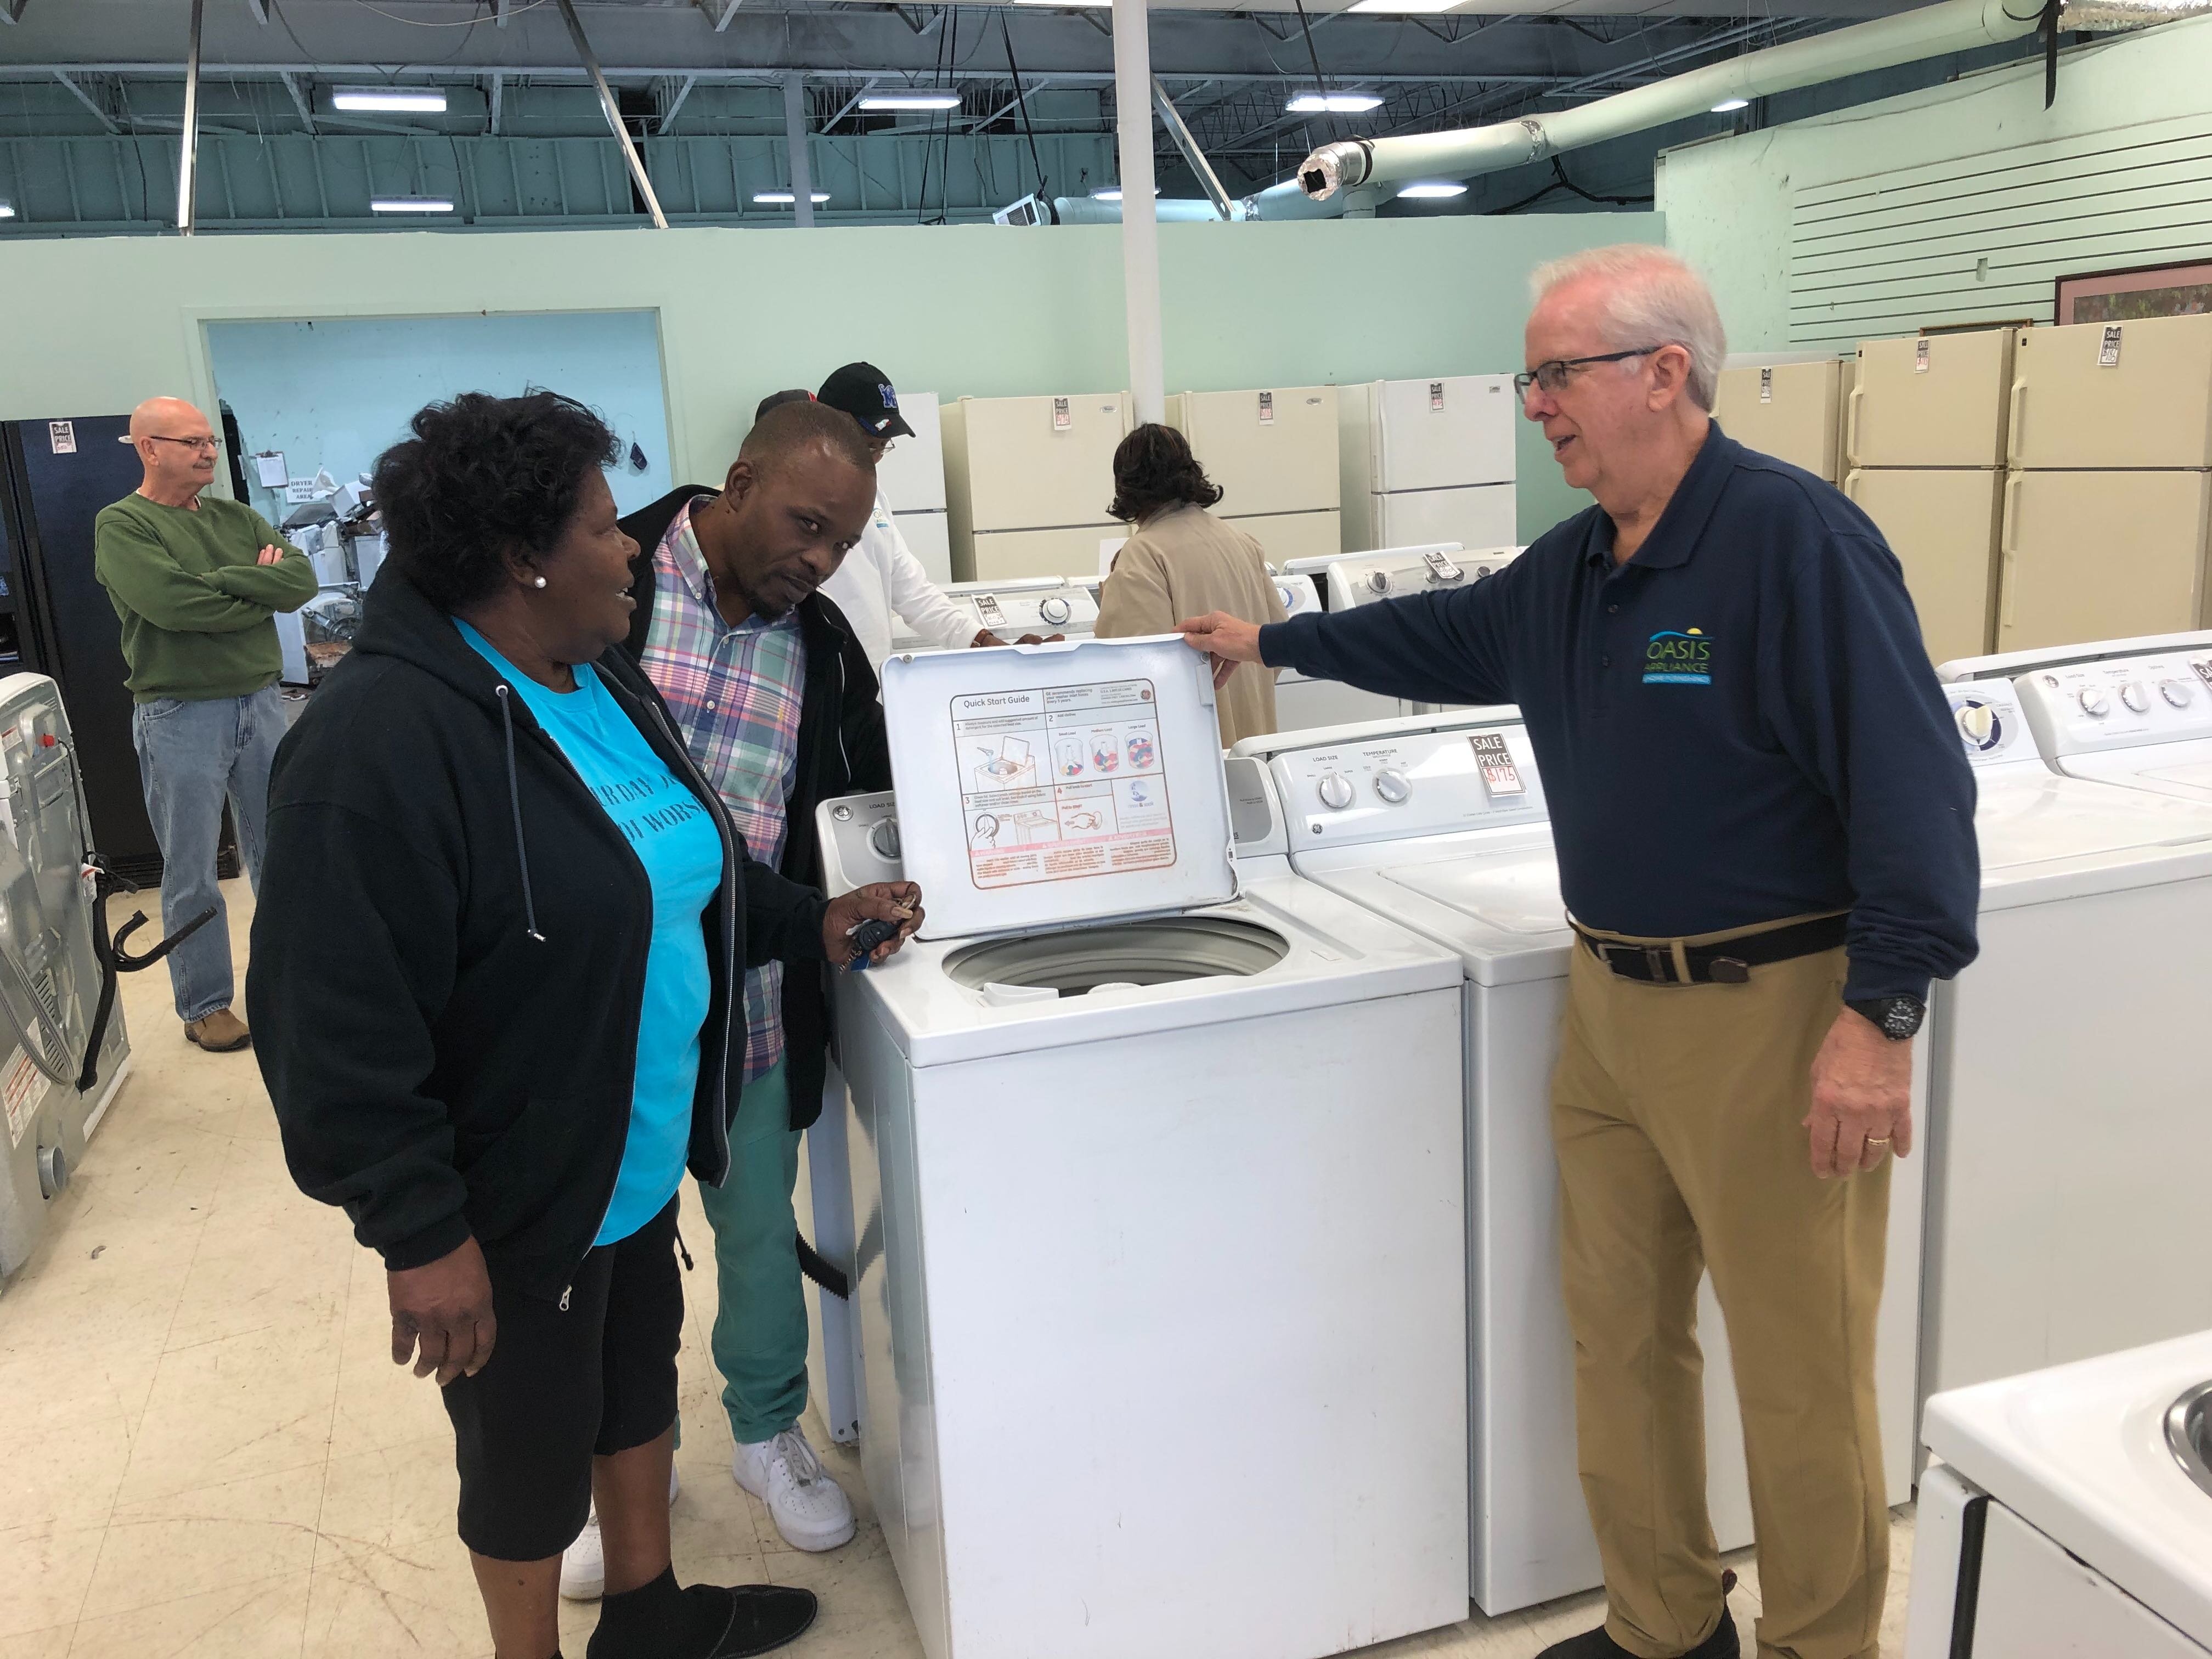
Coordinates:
(760,1323)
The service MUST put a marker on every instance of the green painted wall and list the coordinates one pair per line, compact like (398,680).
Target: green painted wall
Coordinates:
(99,324)
(2126,106)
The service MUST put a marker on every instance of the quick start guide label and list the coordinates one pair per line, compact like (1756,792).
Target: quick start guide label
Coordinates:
(1062,782)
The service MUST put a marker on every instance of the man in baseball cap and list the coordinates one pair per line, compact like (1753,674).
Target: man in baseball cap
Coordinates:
(865,392)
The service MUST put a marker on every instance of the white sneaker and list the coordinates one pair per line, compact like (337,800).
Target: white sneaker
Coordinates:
(811,1509)
(584,1563)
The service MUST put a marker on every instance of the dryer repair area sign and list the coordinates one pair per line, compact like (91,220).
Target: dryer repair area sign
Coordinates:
(1062,782)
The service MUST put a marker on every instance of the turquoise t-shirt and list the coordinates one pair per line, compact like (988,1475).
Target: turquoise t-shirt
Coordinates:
(675,839)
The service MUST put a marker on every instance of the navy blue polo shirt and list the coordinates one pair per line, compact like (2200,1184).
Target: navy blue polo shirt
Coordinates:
(1737,725)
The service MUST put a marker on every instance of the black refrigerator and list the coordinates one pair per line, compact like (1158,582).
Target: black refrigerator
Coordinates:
(56,619)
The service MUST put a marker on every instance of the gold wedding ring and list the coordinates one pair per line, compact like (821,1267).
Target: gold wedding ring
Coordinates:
(1877,1140)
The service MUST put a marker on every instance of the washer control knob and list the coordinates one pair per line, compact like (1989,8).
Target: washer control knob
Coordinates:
(1392,786)
(2176,692)
(2094,703)
(884,838)
(1336,792)
(2137,696)
(1056,611)
(1378,581)
(1978,723)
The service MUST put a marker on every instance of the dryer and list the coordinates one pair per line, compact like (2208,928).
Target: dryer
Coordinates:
(2072,1513)
(1032,605)
(2141,721)
(2067,1070)
(1161,1299)
(1439,824)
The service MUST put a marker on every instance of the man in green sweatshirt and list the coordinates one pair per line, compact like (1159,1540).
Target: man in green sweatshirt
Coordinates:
(198,583)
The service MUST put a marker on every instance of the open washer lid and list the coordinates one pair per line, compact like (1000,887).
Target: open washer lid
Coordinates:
(1040,786)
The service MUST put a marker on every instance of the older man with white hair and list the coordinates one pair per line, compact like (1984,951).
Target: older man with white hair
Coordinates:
(1766,837)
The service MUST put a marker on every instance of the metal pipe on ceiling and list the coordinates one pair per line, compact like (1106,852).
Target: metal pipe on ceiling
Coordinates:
(613,113)
(802,164)
(188,157)
(1171,118)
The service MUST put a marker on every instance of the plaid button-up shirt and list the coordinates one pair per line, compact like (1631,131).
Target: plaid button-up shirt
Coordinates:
(737,694)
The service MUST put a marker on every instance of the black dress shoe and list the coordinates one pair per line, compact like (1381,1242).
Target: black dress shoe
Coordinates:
(766,1616)
(1596,1644)
(700,1621)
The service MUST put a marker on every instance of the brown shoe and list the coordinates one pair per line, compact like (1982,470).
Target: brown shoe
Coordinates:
(221,1033)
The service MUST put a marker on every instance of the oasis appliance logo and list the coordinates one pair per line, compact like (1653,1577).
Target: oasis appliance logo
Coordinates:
(1683,658)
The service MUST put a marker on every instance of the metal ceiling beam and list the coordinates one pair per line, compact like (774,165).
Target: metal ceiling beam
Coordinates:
(1172,119)
(260,10)
(498,88)
(607,103)
(851,103)
(719,12)
(500,21)
(675,104)
(85,98)
(294,85)
(188,149)
(11,11)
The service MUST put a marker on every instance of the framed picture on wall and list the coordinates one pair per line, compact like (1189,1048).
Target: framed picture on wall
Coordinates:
(2140,291)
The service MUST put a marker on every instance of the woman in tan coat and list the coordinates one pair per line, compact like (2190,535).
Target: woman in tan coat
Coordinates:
(1181,561)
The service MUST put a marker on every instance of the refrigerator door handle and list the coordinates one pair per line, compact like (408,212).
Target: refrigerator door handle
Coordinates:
(2015,408)
(2007,554)
(1851,484)
(1851,425)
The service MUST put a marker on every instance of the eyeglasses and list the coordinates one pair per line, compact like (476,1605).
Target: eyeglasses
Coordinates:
(1554,375)
(189,443)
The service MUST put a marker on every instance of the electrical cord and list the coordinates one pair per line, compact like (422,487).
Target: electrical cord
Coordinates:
(1022,105)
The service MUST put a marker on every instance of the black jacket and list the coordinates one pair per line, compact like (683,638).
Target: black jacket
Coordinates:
(842,750)
(449,956)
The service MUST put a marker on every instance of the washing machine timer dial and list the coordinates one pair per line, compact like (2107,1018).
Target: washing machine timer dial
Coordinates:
(1335,791)
(1392,786)
(1977,724)
(2176,692)
(2094,703)
(1056,611)
(2137,696)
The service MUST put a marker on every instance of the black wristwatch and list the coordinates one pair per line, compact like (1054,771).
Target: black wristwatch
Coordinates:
(1895,1017)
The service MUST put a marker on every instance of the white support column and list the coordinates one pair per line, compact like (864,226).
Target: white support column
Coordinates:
(794,135)
(1140,225)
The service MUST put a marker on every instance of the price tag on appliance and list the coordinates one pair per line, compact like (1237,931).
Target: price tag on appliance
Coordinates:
(1441,569)
(1500,776)
(1920,357)
(2108,353)
(988,608)
(1766,385)
(1062,419)
(1266,408)
(2203,667)
(63,435)
(1436,397)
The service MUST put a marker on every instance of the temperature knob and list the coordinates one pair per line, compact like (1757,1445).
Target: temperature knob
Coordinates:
(1378,581)
(1282,593)
(2094,703)
(1392,786)
(2176,692)
(1336,792)
(884,838)
(2137,696)
(1056,611)
(1978,723)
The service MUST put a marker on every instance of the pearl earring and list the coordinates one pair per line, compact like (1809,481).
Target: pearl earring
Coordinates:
(540,582)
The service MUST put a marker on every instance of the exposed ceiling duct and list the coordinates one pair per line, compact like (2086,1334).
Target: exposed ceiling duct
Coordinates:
(1951,26)
(2110,16)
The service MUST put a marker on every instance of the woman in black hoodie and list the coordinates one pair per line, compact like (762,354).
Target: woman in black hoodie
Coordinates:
(501,926)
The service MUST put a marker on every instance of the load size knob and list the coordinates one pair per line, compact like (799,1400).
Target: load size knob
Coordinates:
(1056,611)
(2094,703)
(2176,692)
(2137,696)
(1392,786)
(1336,792)
(884,838)
(1378,581)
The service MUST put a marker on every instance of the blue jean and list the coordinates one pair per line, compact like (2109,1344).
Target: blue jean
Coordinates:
(190,755)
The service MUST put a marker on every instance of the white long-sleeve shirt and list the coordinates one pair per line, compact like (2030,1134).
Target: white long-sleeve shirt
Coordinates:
(881,577)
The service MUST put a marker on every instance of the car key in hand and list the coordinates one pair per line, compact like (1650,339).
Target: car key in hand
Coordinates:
(865,940)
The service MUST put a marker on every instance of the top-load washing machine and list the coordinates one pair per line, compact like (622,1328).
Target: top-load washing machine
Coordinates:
(2064,1217)
(1043,605)
(1397,573)
(2141,721)
(1440,825)
(2071,1518)
(1156,1155)
(2010,665)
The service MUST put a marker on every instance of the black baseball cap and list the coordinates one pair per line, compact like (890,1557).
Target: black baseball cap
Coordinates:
(865,392)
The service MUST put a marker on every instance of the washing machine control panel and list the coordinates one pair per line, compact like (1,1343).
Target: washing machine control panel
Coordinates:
(859,838)
(2119,704)
(1394,785)
(1394,573)
(1041,606)
(1986,714)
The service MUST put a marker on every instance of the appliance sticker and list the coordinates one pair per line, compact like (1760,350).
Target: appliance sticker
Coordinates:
(992,613)
(1920,357)
(1436,397)
(1766,385)
(2108,352)
(1062,419)
(63,435)
(1061,782)
(19,1094)
(1494,759)
(1266,408)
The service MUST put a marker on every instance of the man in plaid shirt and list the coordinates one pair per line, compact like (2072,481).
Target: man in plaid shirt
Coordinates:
(777,703)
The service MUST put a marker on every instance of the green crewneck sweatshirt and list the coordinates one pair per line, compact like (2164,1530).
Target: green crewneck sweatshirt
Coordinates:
(198,613)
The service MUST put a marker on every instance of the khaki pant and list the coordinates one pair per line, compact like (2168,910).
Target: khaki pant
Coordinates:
(1677,1113)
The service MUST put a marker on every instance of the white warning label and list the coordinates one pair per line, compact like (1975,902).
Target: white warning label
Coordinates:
(1062,782)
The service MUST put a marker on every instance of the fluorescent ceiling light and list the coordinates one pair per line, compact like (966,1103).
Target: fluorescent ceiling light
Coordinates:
(1432,191)
(421,100)
(411,204)
(1403,5)
(7,209)
(1334,103)
(911,101)
(1067,5)
(785,198)
(1113,192)
(1730,106)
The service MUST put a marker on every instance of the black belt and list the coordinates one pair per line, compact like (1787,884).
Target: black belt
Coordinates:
(1729,963)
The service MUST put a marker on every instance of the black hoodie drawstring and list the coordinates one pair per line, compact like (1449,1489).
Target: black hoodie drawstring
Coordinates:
(514,805)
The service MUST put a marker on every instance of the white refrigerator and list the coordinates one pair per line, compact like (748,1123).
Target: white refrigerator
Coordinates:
(2106,509)
(912,481)
(1924,444)
(1789,405)
(1272,453)
(1027,481)
(1428,461)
